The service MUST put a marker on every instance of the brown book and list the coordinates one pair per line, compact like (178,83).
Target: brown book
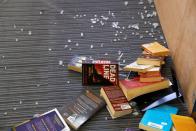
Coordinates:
(133,87)
(146,59)
(117,103)
(156,49)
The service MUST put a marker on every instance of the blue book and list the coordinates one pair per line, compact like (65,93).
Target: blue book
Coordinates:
(158,119)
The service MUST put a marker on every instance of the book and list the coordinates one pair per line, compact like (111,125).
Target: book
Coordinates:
(76,63)
(117,103)
(99,72)
(150,60)
(158,119)
(150,77)
(154,99)
(154,69)
(133,87)
(81,109)
(49,121)
(156,49)
(183,123)
(137,68)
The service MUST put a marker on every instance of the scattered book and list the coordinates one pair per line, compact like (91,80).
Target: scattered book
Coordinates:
(81,109)
(76,63)
(156,49)
(137,68)
(183,123)
(99,72)
(154,99)
(150,60)
(150,77)
(49,121)
(117,103)
(133,87)
(158,119)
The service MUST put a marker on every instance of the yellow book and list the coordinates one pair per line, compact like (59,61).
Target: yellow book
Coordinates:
(156,49)
(183,123)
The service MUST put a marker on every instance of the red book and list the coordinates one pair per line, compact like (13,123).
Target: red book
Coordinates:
(117,103)
(133,87)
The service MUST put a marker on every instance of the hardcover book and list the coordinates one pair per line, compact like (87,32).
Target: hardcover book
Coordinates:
(158,119)
(49,121)
(133,87)
(117,103)
(156,49)
(183,123)
(137,68)
(99,72)
(81,109)
(76,63)
(150,77)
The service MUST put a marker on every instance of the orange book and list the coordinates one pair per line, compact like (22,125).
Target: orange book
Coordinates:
(156,49)
(183,123)
(133,87)
(150,77)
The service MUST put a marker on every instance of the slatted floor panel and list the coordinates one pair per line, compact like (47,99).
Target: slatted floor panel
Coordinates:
(39,37)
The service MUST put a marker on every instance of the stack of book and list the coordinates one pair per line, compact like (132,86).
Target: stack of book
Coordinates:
(148,66)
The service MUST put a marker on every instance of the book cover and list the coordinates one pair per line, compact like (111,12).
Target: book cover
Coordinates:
(147,59)
(99,72)
(183,123)
(81,109)
(154,99)
(158,119)
(49,121)
(76,63)
(116,101)
(156,48)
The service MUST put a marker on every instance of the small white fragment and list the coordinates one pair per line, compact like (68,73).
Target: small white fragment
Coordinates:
(36,103)
(155,25)
(5,113)
(161,37)
(124,61)
(14,26)
(20,102)
(102,23)
(38,85)
(21,29)
(102,44)
(106,53)
(5,67)
(106,118)
(115,40)
(91,46)
(68,40)
(92,26)
(140,2)
(115,24)
(60,62)
(84,15)
(3,56)
(120,56)
(135,113)
(142,16)
(126,3)
(68,82)
(36,115)
(14,108)
(50,49)
(16,39)
(77,44)
(135,26)
(104,17)
(40,12)
(30,32)
(150,1)
(61,12)
(70,48)
(65,46)
(82,34)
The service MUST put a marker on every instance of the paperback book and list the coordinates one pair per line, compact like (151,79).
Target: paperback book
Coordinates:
(81,109)
(49,121)
(99,72)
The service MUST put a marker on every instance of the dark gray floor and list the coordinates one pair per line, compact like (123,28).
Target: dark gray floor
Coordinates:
(35,39)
